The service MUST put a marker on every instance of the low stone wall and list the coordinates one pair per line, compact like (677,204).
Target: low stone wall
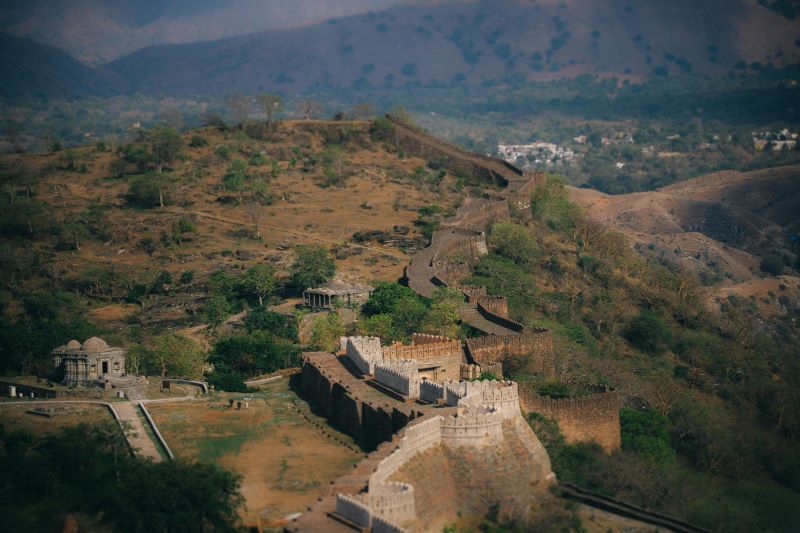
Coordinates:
(430,391)
(581,419)
(352,509)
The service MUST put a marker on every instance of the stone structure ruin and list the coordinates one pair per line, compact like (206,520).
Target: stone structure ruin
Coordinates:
(336,293)
(88,363)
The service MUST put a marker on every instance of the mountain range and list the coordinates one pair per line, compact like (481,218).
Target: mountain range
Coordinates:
(434,44)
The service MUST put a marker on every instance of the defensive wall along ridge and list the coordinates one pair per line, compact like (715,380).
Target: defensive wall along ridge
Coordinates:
(594,417)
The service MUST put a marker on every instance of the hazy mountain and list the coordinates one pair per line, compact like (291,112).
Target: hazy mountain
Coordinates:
(433,43)
(96,31)
(28,68)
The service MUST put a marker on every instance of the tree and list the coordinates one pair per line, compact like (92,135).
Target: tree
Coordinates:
(241,106)
(514,241)
(271,105)
(236,177)
(151,190)
(325,333)
(165,146)
(255,212)
(313,267)
(262,319)
(310,109)
(177,355)
(261,281)
(648,332)
(384,297)
(216,310)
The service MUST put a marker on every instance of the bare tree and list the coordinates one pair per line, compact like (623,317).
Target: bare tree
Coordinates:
(309,109)
(271,105)
(241,106)
(255,212)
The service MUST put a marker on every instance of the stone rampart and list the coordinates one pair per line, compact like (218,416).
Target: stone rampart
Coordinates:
(581,419)
(426,338)
(430,391)
(353,510)
(381,525)
(341,397)
(453,158)
(536,345)
(489,314)
(451,272)
(445,355)
(479,428)
(398,375)
(364,352)
(394,502)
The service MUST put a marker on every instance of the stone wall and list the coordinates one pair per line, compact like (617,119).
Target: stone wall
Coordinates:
(489,314)
(430,391)
(482,427)
(341,397)
(534,345)
(581,419)
(364,352)
(446,354)
(400,376)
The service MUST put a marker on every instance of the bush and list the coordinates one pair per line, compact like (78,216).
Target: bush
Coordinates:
(197,141)
(648,332)
(514,241)
(645,433)
(772,265)
(313,267)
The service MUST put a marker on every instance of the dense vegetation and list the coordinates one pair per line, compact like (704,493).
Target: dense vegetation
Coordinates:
(710,426)
(89,473)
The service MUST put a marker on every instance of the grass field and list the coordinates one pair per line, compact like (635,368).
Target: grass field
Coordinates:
(17,418)
(285,461)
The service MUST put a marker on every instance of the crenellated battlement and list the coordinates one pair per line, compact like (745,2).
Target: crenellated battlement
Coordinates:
(581,418)
(399,375)
(481,428)
(535,344)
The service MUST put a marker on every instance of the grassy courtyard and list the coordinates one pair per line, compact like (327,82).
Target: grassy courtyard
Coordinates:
(284,459)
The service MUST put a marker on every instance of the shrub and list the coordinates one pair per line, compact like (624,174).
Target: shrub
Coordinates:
(648,332)
(514,241)
(772,265)
(645,433)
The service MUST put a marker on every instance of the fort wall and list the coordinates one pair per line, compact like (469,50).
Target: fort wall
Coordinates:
(489,314)
(364,352)
(342,398)
(400,376)
(535,344)
(482,427)
(581,419)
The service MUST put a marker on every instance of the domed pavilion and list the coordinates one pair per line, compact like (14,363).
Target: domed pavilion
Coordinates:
(94,360)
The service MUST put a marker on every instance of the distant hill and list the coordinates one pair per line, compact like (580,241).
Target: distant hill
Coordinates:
(97,31)
(444,43)
(726,221)
(28,68)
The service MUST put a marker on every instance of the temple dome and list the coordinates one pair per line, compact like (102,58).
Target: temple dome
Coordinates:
(73,345)
(95,344)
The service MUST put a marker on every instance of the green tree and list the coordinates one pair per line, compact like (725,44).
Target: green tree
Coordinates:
(177,355)
(260,280)
(384,297)
(377,326)
(645,433)
(648,332)
(165,146)
(325,332)
(151,189)
(262,319)
(514,241)
(216,310)
(313,267)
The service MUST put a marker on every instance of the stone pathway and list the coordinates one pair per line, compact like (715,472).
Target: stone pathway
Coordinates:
(135,431)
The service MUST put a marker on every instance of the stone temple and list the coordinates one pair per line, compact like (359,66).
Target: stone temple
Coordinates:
(336,293)
(92,361)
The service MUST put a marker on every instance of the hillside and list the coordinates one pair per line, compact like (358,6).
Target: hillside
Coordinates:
(476,43)
(97,31)
(709,398)
(28,68)
(720,226)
